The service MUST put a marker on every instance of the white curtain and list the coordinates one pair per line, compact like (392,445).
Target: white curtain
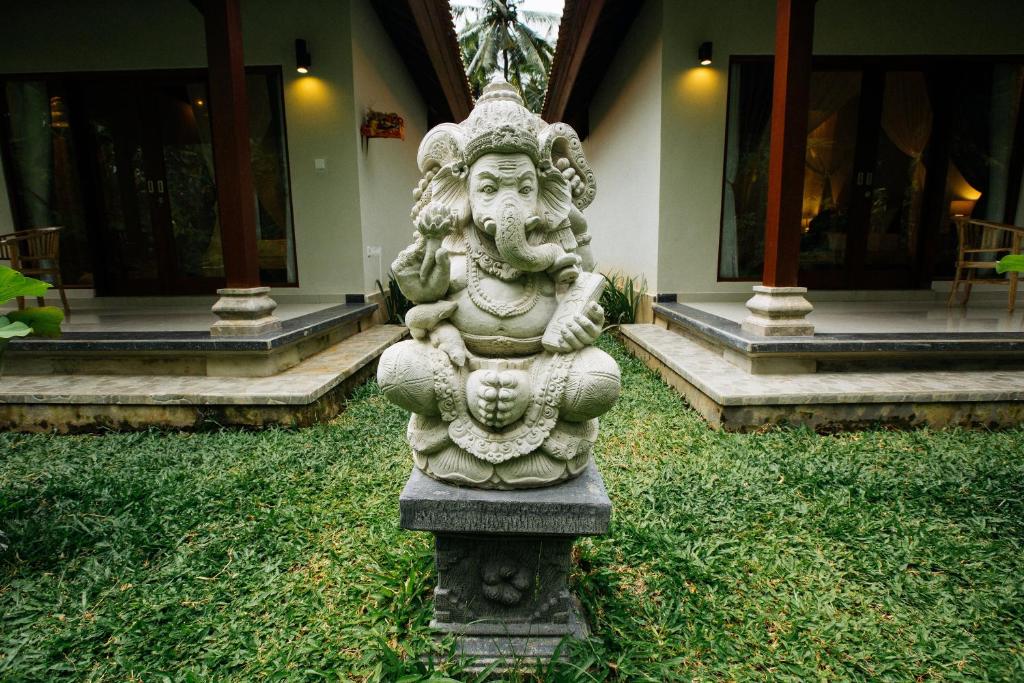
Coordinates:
(32,147)
(728,265)
(907,120)
(828,159)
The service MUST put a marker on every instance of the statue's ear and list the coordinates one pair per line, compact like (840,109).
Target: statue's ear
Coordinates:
(554,196)
(451,187)
(442,145)
(559,142)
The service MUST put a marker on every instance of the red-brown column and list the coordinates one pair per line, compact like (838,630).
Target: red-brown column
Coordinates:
(794,36)
(230,122)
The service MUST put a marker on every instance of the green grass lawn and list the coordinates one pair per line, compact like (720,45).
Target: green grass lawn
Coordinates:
(277,555)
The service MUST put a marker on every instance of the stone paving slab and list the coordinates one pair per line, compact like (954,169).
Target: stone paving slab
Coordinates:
(299,385)
(728,385)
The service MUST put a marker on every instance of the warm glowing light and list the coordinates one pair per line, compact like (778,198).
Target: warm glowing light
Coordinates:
(705,62)
(959,187)
(962,207)
(699,85)
(313,96)
(200,103)
(302,70)
(963,195)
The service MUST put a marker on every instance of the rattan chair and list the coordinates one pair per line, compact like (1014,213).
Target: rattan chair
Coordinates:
(36,252)
(981,245)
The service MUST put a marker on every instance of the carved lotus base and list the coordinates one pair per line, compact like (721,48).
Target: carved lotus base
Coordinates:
(455,466)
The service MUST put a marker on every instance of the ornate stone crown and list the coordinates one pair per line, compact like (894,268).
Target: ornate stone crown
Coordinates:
(501,123)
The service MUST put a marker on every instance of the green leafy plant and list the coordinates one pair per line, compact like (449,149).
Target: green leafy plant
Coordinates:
(621,298)
(395,303)
(43,321)
(1011,263)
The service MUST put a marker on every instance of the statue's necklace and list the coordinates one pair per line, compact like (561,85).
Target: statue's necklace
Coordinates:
(501,309)
(487,257)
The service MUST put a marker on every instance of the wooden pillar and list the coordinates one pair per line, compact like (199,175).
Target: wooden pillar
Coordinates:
(229,117)
(794,37)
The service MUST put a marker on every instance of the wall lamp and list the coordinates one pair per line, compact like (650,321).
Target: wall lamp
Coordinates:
(704,54)
(303,60)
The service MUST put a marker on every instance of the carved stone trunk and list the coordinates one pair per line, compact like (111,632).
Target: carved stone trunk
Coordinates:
(503,561)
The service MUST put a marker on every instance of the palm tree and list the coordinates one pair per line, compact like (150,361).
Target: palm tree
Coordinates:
(497,38)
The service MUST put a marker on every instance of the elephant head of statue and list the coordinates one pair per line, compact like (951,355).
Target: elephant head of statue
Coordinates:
(509,181)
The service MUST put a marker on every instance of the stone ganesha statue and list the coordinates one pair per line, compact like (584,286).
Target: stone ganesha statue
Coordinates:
(500,375)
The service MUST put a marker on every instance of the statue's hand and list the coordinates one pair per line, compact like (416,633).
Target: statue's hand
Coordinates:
(423,271)
(573,178)
(421,319)
(582,329)
(448,339)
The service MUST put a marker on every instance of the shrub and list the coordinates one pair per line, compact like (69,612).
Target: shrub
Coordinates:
(621,298)
(395,303)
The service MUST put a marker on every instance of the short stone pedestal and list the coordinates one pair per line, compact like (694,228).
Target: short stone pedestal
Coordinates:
(244,312)
(503,561)
(779,312)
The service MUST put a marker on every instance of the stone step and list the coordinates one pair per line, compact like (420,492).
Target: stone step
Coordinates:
(923,350)
(733,399)
(311,391)
(187,352)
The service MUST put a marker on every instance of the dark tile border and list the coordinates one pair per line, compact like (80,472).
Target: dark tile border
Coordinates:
(291,331)
(730,334)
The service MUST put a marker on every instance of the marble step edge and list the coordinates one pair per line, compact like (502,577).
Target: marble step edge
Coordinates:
(728,385)
(300,385)
(292,331)
(723,332)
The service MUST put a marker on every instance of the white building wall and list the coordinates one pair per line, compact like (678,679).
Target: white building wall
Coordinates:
(693,133)
(387,167)
(623,148)
(100,35)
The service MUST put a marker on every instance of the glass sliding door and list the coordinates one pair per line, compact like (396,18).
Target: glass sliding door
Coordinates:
(829,198)
(986,153)
(41,167)
(745,188)
(898,176)
(146,169)
(187,188)
(895,148)
(122,187)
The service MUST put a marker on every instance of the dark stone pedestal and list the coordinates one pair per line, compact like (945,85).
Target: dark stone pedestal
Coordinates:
(503,561)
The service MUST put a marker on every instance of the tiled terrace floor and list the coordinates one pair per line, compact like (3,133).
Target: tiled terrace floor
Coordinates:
(189,316)
(873,317)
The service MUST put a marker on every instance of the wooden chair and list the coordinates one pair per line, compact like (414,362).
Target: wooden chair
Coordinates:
(981,245)
(36,252)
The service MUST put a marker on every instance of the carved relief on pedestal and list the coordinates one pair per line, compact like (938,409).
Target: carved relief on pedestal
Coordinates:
(501,376)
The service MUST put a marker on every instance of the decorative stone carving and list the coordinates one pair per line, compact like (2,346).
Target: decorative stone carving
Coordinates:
(244,312)
(501,376)
(779,312)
